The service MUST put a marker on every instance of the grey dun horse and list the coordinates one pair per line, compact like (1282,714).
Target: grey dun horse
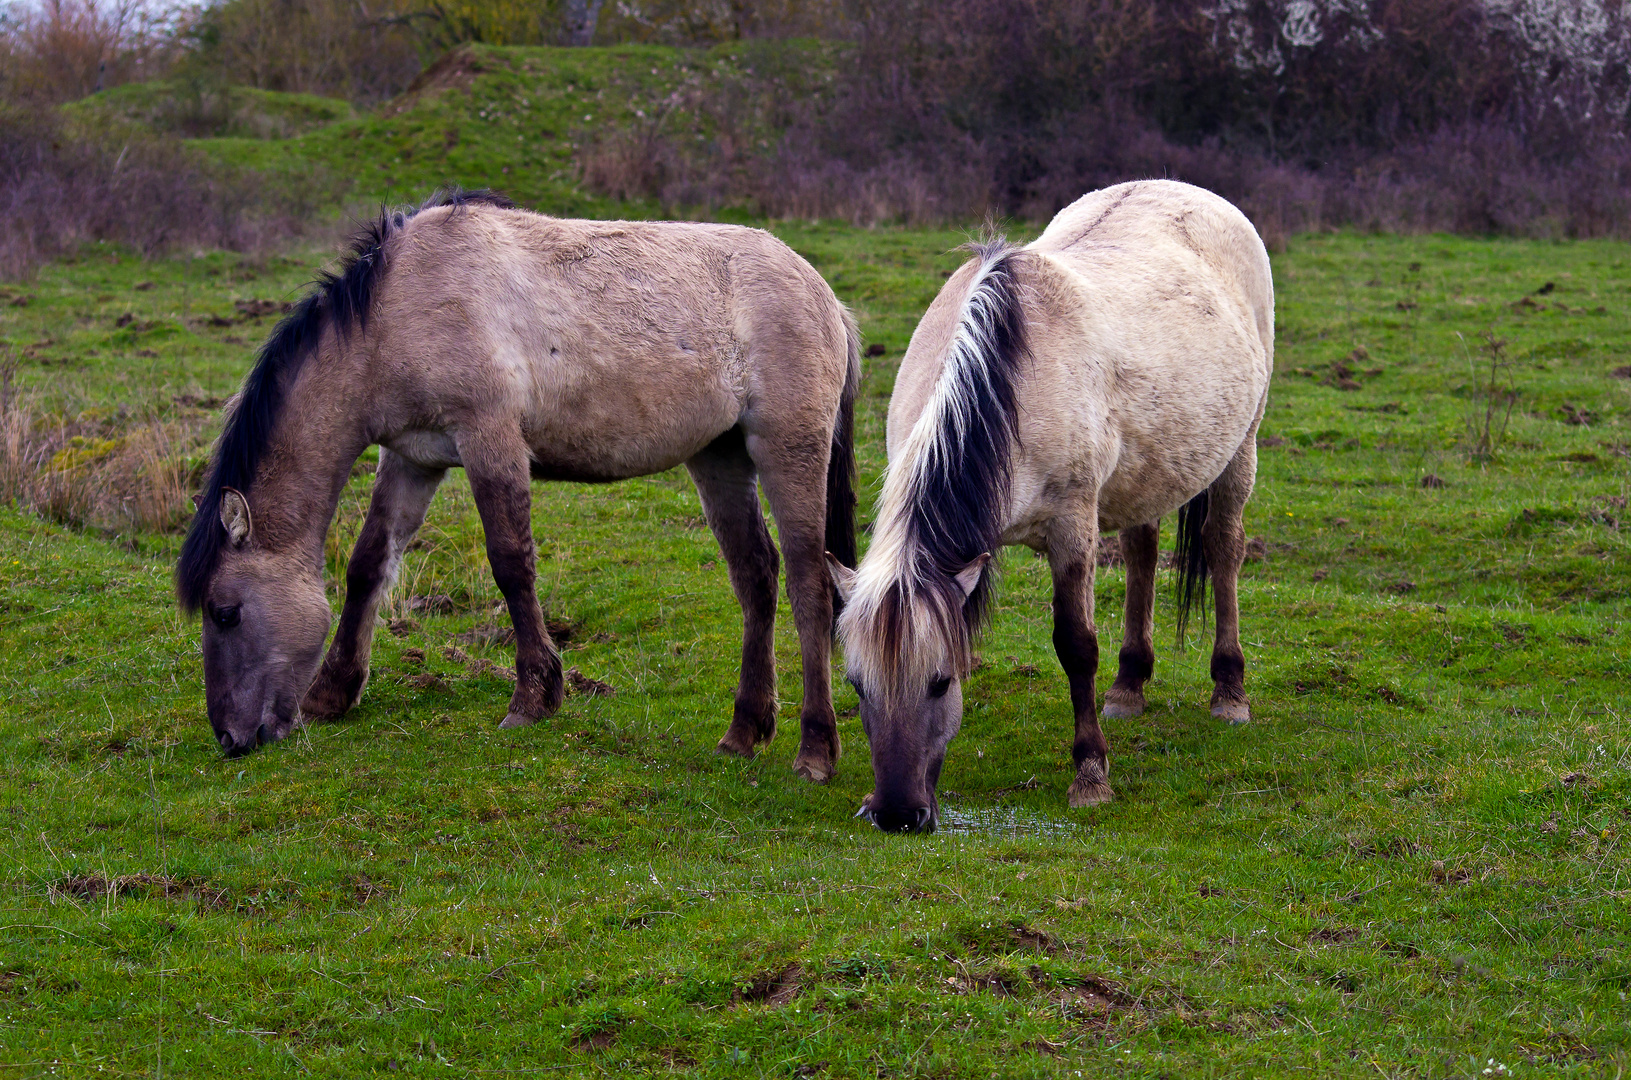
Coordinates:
(1109,373)
(523,347)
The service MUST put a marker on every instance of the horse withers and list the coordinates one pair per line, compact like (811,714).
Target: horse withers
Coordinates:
(1110,372)
(524,347)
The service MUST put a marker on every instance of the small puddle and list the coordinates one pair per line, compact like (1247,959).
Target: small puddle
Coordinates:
(1003,821)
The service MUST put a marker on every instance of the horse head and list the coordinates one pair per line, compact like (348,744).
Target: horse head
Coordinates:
(907,651)
(265,620)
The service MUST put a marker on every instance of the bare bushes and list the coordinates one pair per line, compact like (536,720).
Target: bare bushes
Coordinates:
(106,471)
(339,48)
(59,50)
(60,188)
(1404,116)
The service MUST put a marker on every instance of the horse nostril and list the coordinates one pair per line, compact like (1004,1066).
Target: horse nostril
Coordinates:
(922,820)
(263,735)
(225,740)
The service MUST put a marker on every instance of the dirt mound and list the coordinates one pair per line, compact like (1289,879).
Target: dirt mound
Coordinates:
(455,69)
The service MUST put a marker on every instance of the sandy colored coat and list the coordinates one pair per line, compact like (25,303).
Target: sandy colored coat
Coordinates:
(1151,321)
(523,347)
(1112,371)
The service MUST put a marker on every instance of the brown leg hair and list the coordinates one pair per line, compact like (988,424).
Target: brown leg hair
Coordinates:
(795,478)
(724,475)
(497,466)
(1224,540)
(1140,548)
(1071,549)
(401,496)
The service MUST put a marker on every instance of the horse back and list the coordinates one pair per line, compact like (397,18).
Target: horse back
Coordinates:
(621,348)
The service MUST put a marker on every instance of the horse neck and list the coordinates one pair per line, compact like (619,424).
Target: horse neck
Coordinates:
(315,441)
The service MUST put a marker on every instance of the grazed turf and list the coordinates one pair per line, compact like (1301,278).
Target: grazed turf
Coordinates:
(1410,864)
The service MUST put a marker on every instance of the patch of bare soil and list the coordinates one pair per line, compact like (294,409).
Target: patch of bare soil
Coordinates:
(456,70)
(1334,935)
(487,634)
(97,887)
(582,684)
(1095,1001)
(1029,937)
(773,988)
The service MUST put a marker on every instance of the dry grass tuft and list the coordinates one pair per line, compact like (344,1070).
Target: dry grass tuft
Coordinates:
(106,472)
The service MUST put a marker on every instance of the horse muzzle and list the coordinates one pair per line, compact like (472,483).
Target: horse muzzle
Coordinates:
(271,729)
(891,819)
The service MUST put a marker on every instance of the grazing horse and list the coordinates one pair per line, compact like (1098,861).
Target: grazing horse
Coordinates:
(524,347)
(1110,372)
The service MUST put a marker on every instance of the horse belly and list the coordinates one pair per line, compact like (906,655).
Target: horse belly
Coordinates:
(1158,470)
(632,428)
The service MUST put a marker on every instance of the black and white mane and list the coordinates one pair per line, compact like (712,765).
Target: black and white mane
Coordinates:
(945,502)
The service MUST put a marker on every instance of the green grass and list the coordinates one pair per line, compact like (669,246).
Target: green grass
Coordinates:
(1411,863)
(243,112)
(512,118)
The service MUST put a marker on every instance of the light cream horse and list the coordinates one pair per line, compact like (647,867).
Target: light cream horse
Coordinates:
(524,347)
(1109,373)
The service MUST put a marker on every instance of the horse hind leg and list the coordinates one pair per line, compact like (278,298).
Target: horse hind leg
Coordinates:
(1140,550)
(794,470)
(1223,540)
(724,475)
(401,496)
(1070,557)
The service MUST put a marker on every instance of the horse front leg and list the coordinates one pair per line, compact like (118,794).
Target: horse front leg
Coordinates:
(501,481)
(725,480)
(1071,549)
(1140,550)
(1223,540)
(401,496)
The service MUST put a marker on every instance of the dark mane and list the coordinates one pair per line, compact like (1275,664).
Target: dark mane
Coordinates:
(341,302)
(961,494)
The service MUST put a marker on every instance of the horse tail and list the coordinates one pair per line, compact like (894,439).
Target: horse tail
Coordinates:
(841,464)
(1190,557)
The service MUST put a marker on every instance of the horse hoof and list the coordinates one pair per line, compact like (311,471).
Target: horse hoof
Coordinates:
(729,747)
(1090,794)
(328,701)
(1092,784)
(515,720)
(814,770)
(1236,712)
(1122,706)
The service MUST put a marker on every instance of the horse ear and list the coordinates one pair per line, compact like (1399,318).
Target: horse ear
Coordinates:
(235,517)
(843,578)
(969,576)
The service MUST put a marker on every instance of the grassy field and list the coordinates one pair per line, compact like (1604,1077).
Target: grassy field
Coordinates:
(1412,863)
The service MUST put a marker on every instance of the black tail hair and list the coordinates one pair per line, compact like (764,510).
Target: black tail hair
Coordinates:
(340,302)
(1191,559)
(841,467)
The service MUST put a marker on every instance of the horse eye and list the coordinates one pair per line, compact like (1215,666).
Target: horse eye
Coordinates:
(225,617)
(938,688)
